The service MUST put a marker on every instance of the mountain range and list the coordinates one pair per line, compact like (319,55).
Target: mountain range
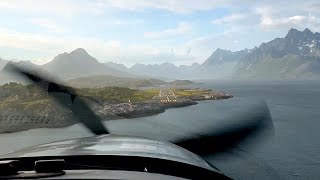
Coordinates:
(107,80)
(79,63)
(297,55)
(75,64)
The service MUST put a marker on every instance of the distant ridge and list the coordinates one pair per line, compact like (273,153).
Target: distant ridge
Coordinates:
(116,66)
(107,80)
(3,63)
(79,63)
(6,77)
(297,55)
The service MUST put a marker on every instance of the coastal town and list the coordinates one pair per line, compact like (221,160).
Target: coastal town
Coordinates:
(25,107)
(166,98)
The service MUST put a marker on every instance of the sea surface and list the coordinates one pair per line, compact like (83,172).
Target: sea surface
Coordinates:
(293,152)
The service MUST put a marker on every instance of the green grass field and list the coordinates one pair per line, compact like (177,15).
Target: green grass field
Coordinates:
(26,97)
(188,93)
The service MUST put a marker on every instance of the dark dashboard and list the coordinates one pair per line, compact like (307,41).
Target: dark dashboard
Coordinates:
(99,166)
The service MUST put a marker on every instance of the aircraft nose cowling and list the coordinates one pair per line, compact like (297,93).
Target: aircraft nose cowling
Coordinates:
(114,145)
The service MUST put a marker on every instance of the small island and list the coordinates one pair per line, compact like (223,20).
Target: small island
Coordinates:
(24,107)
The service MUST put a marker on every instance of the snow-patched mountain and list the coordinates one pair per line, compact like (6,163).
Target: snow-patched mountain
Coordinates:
(294,56)
(297,55)
(79,63)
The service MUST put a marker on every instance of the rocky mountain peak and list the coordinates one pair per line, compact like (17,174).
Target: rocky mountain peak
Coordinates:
(308,32)
(292,32)
(221,56)
(79,63)
(77,56)
(79,51)
(300,35)
(297,52)
(220,51)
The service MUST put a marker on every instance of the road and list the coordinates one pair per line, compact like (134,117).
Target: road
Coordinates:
(166,95)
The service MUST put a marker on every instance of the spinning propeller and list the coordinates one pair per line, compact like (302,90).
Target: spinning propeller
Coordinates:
(257,122)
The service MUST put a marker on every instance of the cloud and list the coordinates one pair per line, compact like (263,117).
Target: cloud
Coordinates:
(72,7)
(47,46)
(295,16)
(233,18)
(56,7)
(177,6)
(123,22)
(41,60)
(246,24)
(47,24)
(298,21)
(272,15)
(235,39)
(52,45)
(182,28)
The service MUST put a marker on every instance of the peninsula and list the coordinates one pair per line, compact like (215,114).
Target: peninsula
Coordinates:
(24,107)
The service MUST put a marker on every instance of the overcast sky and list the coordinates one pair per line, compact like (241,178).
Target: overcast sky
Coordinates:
(146,31)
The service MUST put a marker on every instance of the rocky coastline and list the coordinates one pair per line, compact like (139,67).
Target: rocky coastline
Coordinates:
(54,116)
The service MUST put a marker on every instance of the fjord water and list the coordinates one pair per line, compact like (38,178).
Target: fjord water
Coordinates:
(292,153)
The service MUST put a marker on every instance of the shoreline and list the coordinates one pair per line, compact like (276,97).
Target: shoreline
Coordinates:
(53,116)
(161,108)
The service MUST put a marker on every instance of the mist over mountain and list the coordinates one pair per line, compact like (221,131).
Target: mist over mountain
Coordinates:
(221,56)
(189,70)
(75,64)
(221,64)
(26,64)
(6,77)
(164,70)
(116,66)
(3,63)
(107,80)
(297,55)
